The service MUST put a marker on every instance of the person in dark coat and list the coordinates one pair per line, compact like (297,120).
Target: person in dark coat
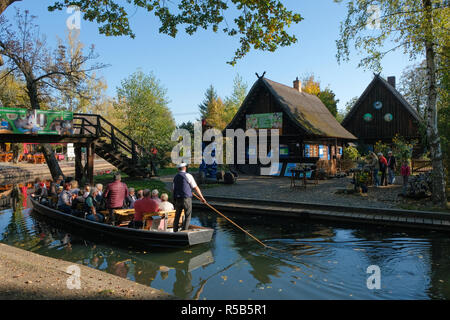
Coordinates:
(183,184)
(391,164)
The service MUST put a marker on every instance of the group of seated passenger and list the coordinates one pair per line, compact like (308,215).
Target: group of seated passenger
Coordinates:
(68,197)
(88,202)
(163,201)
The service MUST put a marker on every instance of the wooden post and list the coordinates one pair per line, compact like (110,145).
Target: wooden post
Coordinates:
(113,139)
(98,128)
(133,153)
(90,163)
(78,163)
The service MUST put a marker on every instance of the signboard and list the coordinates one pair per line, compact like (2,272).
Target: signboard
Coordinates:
(70,151)
(275,169)
(284,151)
(264,121)
(23,121)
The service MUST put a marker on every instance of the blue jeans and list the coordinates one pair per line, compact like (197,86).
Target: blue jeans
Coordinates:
(391,174)
(375,177)
(405,185)
(65,208)
(91,217)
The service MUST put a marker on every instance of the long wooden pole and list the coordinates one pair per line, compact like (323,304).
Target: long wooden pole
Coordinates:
(235,224)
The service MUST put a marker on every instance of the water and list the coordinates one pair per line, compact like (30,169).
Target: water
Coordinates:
(319,261)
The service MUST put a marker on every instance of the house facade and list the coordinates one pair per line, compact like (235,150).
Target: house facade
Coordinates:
(381,113)
(309,133)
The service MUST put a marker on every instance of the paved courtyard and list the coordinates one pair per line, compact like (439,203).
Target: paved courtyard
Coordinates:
(276,188)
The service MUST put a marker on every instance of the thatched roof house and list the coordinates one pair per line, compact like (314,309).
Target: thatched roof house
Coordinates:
(307,128)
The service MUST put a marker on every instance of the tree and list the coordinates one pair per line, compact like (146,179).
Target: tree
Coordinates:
(189,126)
(420,28)
(41,71)
(215,114)
(413,86)
(310,85)
(443,106)
(88,92)
(327,96)
(12,92)
(210,96)
(261,25)
(233,102)
(142,103)
(348,106)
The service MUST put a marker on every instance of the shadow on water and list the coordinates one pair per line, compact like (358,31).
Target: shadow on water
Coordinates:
(318,261)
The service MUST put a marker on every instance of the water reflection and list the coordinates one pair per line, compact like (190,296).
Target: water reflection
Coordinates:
(318,261)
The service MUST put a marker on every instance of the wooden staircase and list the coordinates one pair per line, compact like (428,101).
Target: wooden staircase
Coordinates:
(115,146)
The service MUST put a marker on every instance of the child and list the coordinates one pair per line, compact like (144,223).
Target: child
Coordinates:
(406,172)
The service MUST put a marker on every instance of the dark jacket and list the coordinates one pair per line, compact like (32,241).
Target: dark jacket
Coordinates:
(391,162)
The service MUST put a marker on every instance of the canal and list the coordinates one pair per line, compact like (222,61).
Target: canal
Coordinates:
(318,261)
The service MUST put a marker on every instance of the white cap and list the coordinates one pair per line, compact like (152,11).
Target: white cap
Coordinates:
(181,165)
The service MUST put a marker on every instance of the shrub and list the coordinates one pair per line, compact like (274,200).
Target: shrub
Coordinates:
(351,153)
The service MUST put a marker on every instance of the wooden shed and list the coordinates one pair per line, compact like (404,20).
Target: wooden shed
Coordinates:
(308,131)
(380,113)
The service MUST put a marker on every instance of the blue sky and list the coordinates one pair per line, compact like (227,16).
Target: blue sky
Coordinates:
(187,65)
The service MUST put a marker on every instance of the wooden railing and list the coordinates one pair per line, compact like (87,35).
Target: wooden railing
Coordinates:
(96,125)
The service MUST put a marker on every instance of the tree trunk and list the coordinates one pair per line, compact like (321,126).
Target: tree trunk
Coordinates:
(49,155)
(51,161)
(5,3)
(438,176)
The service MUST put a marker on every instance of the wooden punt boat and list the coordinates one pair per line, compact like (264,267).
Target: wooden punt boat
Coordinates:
(125,236)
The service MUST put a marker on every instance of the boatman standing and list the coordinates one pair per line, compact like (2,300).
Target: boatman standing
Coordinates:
(183,185)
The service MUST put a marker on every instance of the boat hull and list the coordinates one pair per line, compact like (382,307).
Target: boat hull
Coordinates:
(122,235)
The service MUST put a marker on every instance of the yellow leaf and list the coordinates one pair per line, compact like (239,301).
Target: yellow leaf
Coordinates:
(224,278)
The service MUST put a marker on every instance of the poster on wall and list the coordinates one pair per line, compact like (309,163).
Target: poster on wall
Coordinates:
(289,167)
(264,121)
(23,121)
(275,169)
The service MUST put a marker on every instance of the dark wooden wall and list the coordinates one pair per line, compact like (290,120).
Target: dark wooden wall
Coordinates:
(378,129)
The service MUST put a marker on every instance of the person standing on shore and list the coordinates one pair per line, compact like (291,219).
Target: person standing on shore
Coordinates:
(383,167)
(115,194)
(183,184)
(406,172)
(374,165)
(391,164)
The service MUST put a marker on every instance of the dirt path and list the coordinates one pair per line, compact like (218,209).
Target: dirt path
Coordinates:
(26,275)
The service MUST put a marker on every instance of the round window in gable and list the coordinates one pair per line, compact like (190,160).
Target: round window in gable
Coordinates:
(388,117)
(378,105)
(368,117)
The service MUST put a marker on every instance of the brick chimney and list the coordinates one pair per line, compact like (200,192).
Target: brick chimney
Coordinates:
(391,81)
(298,85)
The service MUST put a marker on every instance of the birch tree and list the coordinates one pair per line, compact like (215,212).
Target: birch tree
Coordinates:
(420,28)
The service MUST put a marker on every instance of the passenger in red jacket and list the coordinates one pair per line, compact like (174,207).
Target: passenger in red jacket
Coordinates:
(406,172)
(115,194)
(383,167)
(143,206)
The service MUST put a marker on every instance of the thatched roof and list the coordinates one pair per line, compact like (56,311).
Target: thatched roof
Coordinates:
(305,110)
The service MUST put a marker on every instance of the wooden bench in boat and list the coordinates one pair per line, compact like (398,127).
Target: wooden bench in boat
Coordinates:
(126,215)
